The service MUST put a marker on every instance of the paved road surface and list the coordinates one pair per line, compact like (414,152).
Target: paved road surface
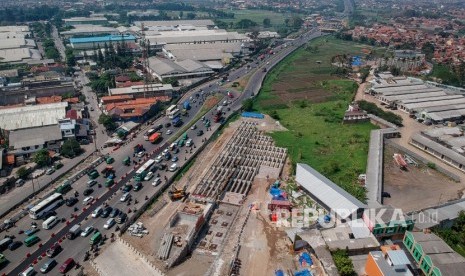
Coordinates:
(77,247)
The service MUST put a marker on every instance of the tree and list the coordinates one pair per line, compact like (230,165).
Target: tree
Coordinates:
(191,15)
(71,148)
(266,22)
(247,105)
(245,24)
(107,122)
(428,50)
(42,158)
(22,172)
(181,14)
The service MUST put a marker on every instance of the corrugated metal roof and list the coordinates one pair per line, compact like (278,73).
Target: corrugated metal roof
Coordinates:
(107,38)
(439,148)
(34,136)
(32,116)
(434,103)
(329,193)
(398,257)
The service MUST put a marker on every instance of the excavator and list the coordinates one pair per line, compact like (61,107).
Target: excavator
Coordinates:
(177,194)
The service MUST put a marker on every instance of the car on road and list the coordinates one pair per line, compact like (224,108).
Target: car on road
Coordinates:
(200,132)
(91,108)
(48,265)
(50,171)
(114,213)
(174,159)
(71,201)
(53,250)
(167,124)
(156,181)
(96,213)
(91,183)
(88,192)
(109,223)
(157,128)
(31,231)
(165,151)
(67,265)
(88,200)
(140,154)
(169,132)
(193,127)
(127,188)
(159,158)
(121,218)
(173,167)
(28,271)
(14,245)
(106,212)
(137,187)
(87,231)
(125,197)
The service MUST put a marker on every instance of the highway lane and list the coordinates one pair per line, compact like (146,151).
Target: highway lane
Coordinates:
(80,248)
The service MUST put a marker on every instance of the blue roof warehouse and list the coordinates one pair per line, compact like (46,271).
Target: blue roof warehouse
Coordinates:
(99,41)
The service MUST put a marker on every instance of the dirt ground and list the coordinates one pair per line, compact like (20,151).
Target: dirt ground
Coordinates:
(410,189)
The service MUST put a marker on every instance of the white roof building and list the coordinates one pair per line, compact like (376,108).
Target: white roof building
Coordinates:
(32,116)
(327,193)
(166,68)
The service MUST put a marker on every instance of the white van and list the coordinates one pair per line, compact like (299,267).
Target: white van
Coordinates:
(189,142)
(20,182)
(173,167)
(97,212)
(28,272)
(50,222)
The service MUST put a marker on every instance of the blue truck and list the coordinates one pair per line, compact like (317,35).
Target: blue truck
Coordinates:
(186,105)
(177,121)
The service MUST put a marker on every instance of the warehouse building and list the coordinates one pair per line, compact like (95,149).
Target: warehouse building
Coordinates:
(328,194)
(25,142)
(138,91)
(99,41)
(20,29)
(34,88)
(85,21)
(433,255)
(32,116)
(196,37)
(207,23)
(215,55)
(439,151)
(163,69)
(89,30)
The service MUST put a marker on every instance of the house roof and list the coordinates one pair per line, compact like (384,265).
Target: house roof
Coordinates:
(327,192)
(454,156)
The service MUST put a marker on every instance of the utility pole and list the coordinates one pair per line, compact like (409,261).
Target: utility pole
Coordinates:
(145,60)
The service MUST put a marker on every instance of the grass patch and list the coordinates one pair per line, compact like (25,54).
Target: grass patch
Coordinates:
(316,134)
(276,19)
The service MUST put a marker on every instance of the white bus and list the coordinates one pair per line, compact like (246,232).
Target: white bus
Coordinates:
(170,109)
(142,171)
(148,133)
(50,222)
(46,205)
(174,113)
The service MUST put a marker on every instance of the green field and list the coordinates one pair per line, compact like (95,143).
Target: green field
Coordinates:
(277,19)
(312,109)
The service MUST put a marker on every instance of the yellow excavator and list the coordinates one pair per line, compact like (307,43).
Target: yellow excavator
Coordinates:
(177,194)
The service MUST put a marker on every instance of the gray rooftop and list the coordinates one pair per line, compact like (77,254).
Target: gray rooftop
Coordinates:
(414,96)
(214,51)
(89,28)
(32,116)
(398,270)
(456,157)
(411,91)
(384,89)
(444,108)
(197,23)
(327,192)
(446,115)
(415,106)
(430,217)
(440,131)
(140,89)
(431,99)
(34,136)
(166,66)
(175,37)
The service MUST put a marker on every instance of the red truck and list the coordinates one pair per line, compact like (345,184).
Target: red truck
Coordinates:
(218,114)
(154,137)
